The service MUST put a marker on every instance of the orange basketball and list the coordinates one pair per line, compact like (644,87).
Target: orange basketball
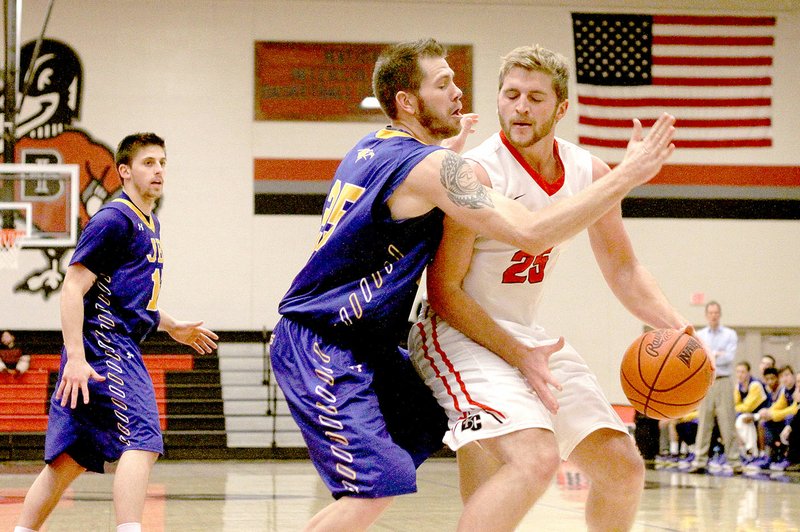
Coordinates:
(665,373)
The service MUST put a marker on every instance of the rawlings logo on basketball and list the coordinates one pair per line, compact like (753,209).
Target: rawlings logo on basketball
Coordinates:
(659,338)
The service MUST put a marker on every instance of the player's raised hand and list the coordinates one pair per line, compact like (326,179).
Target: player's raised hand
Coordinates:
(75,380)
(192,333)
(646,155)
(536,371)
(456,143)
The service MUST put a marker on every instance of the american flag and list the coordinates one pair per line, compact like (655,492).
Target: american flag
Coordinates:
(714,73)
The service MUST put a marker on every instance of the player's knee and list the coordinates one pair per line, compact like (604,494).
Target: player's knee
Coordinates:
(625,468)
(635,466)
(373,506)
(630,468)
(551,461)
(349,513)
(377,505)
(539,465)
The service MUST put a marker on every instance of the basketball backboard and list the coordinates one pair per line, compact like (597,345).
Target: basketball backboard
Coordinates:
(43,201)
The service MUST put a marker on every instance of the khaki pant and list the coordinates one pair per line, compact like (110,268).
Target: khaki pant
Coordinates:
(718,404)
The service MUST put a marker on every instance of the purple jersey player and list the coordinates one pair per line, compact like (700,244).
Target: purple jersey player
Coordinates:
(104,407)
(366,417)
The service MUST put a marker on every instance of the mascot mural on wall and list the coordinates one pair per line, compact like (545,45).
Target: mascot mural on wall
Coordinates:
(46,135)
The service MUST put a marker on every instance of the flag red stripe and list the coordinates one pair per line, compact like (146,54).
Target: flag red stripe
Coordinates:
(726,143)
(603,143)
(683,122)
(295,169)
(688,20)
(689,40)
(713,82)
(675,102)
(686,143)
(712,61)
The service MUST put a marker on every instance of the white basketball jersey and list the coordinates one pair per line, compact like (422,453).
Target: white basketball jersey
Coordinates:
(506,281)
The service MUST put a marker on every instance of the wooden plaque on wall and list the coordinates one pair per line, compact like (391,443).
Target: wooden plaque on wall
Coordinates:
(329,80)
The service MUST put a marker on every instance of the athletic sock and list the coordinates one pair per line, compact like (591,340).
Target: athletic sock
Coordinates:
(129,527)
(23,529)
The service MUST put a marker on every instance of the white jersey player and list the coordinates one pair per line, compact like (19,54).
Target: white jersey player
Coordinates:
(473,343)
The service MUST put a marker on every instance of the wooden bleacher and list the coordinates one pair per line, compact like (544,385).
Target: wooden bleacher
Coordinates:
(188,394)
(25,401)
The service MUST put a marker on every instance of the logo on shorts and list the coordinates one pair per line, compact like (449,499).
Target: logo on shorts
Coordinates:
(472,422)
(476,421)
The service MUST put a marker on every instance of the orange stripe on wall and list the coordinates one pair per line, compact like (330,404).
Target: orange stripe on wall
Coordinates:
(745,176)
(295,169)
(674,174)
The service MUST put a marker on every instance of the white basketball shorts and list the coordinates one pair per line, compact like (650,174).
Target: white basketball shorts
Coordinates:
(485,397)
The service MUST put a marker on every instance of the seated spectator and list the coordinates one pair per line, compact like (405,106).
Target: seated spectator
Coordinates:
(790,436)
(12,359)
(773,389)
(778,416)
(677,437)
(767,361)
(750,396)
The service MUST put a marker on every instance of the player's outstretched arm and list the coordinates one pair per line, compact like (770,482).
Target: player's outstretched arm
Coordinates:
(632,284)
(445,180)
(190,333)
(77,372)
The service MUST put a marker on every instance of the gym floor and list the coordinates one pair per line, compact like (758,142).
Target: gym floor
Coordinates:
(283,495)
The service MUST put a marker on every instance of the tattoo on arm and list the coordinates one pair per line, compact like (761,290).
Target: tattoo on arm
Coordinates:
(462,187)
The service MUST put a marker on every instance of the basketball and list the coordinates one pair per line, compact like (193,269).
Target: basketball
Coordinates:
(665,373)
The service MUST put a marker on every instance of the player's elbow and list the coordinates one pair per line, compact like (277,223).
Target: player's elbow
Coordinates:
(437,300)
(441,299)
(533,243)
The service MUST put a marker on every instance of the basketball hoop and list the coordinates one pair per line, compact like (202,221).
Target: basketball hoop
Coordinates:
(10,244)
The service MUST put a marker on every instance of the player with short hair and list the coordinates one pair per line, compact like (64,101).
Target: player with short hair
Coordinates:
(471,343)
(365,415)
(104,407)
(777,416)
(767,361)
